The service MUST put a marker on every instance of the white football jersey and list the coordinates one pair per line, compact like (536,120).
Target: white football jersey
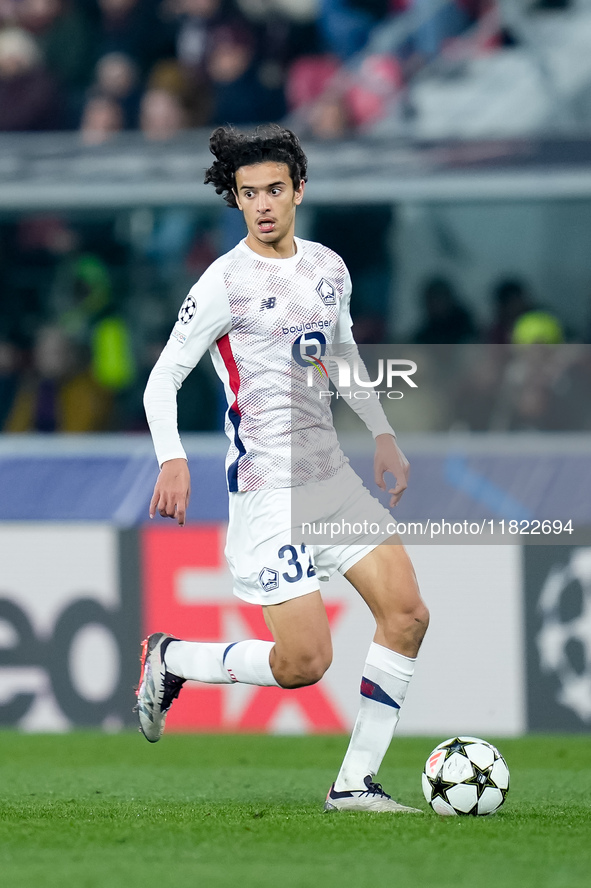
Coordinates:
(254,314)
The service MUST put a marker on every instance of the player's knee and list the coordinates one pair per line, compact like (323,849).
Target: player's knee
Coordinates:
(416,620)
(306,670)
(407,623)
(420,617)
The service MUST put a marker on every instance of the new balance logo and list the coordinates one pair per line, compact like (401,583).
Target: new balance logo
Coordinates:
(268,303)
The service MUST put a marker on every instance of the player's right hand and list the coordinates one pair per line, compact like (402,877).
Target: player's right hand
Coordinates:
(390,458)
(172,491)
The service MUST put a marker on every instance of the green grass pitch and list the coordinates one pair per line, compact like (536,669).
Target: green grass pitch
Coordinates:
(93,810)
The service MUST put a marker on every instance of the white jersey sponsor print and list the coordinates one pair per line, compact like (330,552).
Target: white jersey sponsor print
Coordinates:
(252,313)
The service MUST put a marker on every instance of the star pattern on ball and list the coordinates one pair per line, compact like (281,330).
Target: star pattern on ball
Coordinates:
(439,787)
(480,779)
(187,310)
(456,745)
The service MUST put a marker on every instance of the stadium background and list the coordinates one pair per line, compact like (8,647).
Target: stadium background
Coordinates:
(450,165)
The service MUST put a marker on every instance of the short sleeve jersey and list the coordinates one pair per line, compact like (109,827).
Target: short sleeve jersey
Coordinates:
(253,314)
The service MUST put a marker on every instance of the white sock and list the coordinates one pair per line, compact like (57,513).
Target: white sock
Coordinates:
(199,661)
(221,663)
(248,662)
(383,688)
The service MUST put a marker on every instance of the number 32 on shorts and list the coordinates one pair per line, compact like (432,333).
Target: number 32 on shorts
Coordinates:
(293,561)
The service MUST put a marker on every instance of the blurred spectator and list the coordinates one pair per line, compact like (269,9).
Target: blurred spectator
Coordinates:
(537,327)
(59,393)
(46,233)
(441,25)
(102,118)
(162,115)
(347,24)
(364,95)
(544,388)
(361,235)
(544,384)
(311,78)
(314,93)
(537,384)
(373,87)
(64,35)
(474,386)
(29,97)
(483,32)
(34,245)
(7,12)
(286,30)
(133,27)
(197,18)
(511,298)
(85,309)
(238,94)
(445,319)
(116,78)
(194,96)
(329,118)
(297,11)
(10,365)
(168,246)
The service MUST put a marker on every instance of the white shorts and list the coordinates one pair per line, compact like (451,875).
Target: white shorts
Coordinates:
(269,566)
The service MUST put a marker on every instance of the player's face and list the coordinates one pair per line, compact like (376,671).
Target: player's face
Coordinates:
(266,195)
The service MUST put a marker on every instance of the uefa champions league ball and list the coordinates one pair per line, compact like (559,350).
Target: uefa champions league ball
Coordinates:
(465,775)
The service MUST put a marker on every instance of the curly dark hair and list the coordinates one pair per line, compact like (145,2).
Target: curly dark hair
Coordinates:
(233,150)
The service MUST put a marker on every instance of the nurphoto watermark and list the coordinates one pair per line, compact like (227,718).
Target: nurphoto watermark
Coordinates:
(471,421)
(349,374)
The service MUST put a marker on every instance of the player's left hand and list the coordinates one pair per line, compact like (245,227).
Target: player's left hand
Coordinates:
(390,458)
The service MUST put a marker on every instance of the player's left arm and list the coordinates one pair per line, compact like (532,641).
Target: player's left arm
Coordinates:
(388,456)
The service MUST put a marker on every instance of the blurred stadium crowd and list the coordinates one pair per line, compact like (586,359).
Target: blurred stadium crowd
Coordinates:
(88,300)
(103,66)
(86,312)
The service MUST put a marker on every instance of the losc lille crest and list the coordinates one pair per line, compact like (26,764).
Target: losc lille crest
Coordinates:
(327,292)
(269,579)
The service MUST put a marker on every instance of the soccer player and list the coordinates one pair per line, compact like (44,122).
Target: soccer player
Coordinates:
(248,309)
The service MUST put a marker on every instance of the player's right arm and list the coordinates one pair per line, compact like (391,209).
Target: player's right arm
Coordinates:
(203,318)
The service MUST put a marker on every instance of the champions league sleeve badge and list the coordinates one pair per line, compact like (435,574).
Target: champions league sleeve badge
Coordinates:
(187,310)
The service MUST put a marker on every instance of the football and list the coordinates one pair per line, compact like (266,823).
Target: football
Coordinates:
(465,775)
